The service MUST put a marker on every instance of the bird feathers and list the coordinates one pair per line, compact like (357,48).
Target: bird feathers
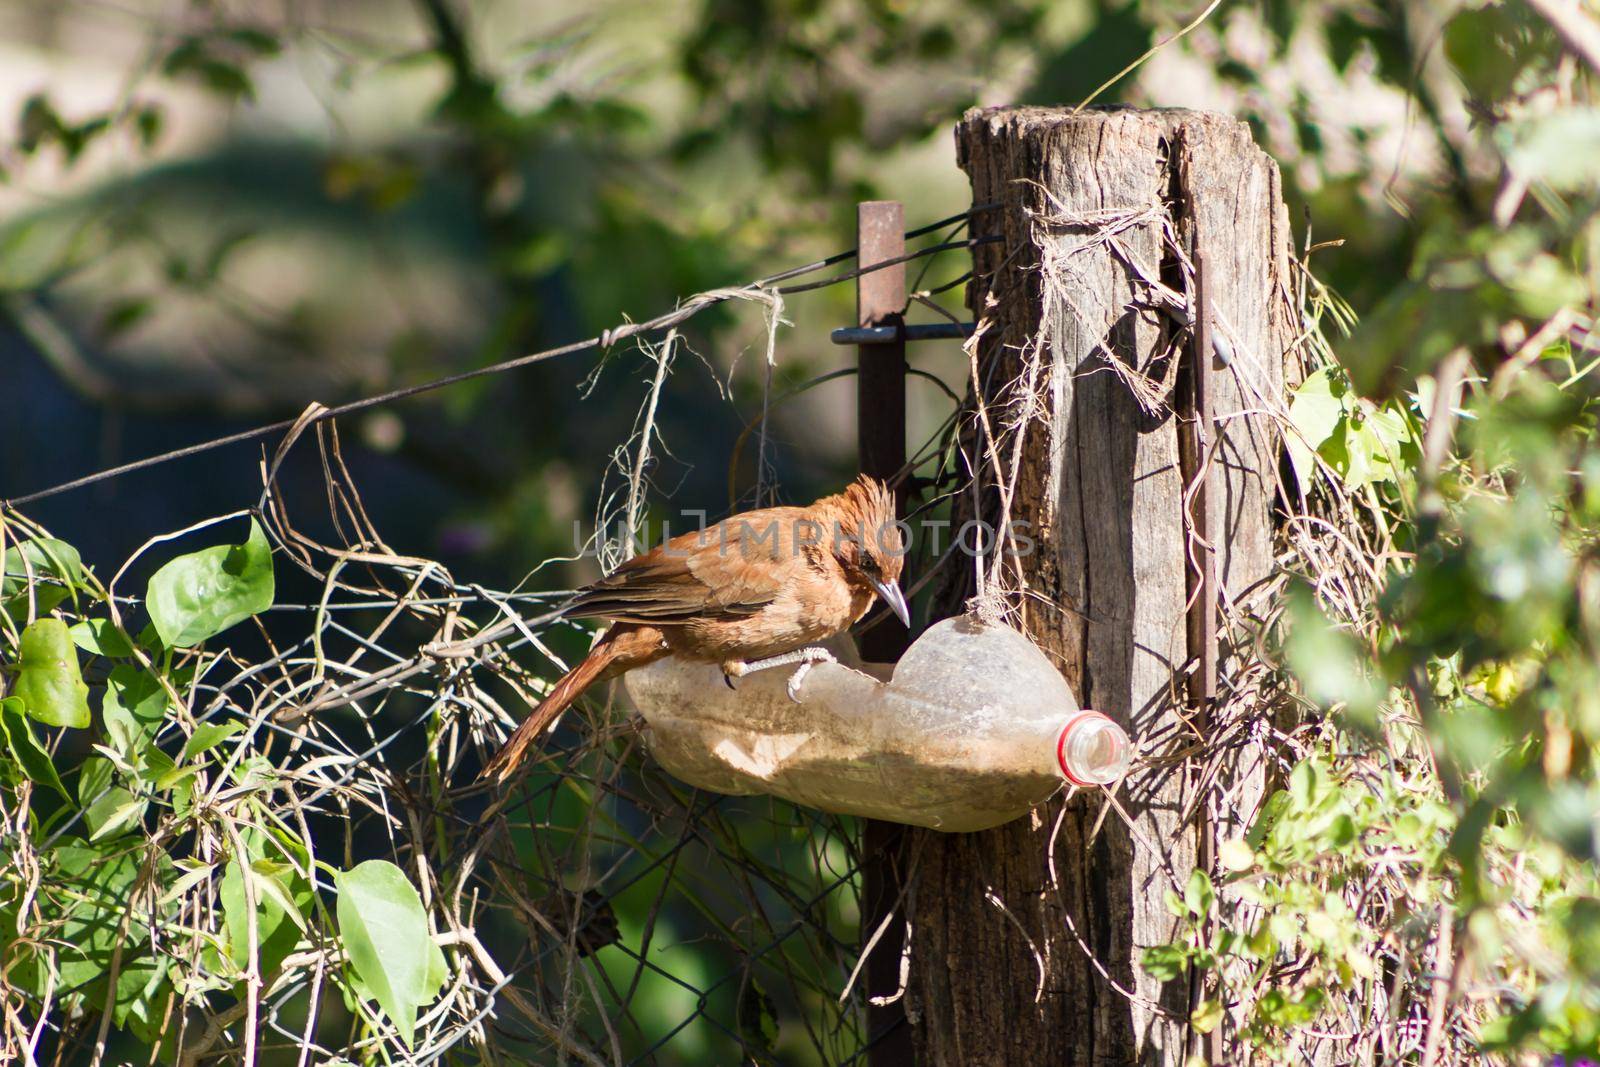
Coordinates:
(755,585)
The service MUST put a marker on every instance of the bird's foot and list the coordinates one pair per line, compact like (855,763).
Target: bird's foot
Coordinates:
(727,679)
(805,657)
(798,678)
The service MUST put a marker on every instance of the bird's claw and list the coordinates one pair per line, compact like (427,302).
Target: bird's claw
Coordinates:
(799,676)
(727,680)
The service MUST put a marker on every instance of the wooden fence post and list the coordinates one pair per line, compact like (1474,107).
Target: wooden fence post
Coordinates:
(1026,938)
(881,444)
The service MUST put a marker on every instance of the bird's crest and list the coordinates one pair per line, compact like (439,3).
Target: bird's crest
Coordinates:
(866,526)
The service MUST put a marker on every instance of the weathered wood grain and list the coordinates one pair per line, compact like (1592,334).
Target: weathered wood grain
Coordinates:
(997,974)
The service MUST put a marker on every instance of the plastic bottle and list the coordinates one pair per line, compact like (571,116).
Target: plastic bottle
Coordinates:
(974,728)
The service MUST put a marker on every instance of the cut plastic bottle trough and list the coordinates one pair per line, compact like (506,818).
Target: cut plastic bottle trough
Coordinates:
(974,728)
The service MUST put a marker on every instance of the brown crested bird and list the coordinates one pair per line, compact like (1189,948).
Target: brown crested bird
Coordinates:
(756,590)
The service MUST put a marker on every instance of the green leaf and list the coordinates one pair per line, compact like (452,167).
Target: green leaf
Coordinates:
(25,748)
(758,1018)
(268,876)
(141,986)
(1315,412)
(283,897)
(48,680)
(1271,812)
(385,932)
(101,881)
(173,776)
(1375,447)
(1494,47)
(207,736)
(194,872)
(108,809)
(1331,665)
(134,707)
(194,59)
(1308,785)
(157,766)
(1207,1016)
(1277,1008)
(45,557)
(1341,833)
(258,41)
(1164,962)
(202,594)
(1198,894)
(1236,854)
(101,637)
(1562,148)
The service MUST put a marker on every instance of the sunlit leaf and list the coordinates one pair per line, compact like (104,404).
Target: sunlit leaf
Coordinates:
(1207,1016)
(1315,412)
(49,681)
(1562,148)
(134,707)
(283,900)
(102,638)
(202,594)
(1164,962)
(1198,894)
(385,932)
(1330,664)
(99,881)
(44,557)
(1493,47)
(207,736)
(1236,854)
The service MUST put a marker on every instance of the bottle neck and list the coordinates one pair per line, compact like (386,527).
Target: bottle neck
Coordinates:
(1091,750)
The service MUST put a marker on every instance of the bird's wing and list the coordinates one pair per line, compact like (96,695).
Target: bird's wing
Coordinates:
(728,571)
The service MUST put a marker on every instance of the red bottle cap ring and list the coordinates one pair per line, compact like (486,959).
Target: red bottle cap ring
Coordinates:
(1061,745)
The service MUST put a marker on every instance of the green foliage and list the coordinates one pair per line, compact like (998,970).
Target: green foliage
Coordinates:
(41,125)
(101,637)
(1285,898)
(25,749)
(202,594)
(99,831)
(49,682)
(385,930)
(134,708)
(283,898)
(54,567)
(1440,813)
(1443,773)
(219,60)
(1364,443)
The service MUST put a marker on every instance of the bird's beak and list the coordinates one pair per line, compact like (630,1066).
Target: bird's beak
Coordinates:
(896,600)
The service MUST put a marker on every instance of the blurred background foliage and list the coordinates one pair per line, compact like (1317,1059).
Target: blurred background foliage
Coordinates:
(213,213)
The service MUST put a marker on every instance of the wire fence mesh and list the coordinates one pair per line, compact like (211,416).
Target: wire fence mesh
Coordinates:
(597,912)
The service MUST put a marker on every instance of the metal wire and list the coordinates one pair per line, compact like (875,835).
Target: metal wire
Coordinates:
(623,331)
(374,718)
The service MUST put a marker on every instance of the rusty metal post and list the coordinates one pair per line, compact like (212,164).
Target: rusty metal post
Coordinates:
(881,373)
(881,445)
(1203,567)
(1196,439)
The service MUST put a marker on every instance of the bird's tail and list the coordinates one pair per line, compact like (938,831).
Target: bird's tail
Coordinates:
(617,650)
